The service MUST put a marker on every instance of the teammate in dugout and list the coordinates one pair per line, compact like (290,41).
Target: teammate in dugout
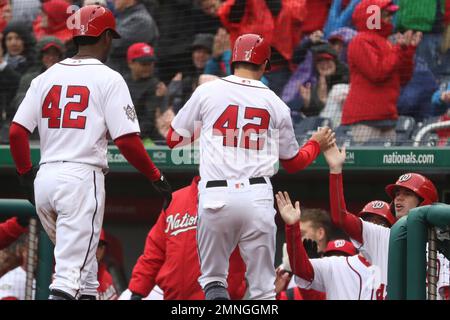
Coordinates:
(348,277)
(74,104)
(410,191)
(245,130)
(170,258)
(12,229)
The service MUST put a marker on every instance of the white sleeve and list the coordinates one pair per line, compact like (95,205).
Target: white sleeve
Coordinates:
(322,275)
(444,274)
(184,121)
(375,244)
(288,144)
(120,115)
(28,113)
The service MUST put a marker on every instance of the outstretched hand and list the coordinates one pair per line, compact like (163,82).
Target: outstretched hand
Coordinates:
(289,213)
(335,158)
(325,137)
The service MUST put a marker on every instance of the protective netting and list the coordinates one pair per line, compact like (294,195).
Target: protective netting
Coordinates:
(360,67)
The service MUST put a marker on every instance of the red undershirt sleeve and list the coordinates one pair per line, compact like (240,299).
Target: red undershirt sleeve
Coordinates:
(133,150)
(20,147)
(304,157)
(298,258)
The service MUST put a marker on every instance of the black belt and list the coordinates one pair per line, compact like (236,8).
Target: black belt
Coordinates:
(223,183)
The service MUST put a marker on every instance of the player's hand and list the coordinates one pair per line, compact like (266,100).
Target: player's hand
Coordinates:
(164,188)
(135,296)
(26,181)
(289,213)
(311,248)
(282,279)
(325,137)
(335,158)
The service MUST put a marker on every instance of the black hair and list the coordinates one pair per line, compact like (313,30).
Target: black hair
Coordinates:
(85,41)
(245,65)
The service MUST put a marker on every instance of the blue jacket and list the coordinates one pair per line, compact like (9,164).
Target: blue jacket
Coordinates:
(415,97)
(338,18)
(436,101)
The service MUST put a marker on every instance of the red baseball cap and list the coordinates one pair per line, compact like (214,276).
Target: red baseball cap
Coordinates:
(340,246)
(325,56)
(141,52)
(391,7)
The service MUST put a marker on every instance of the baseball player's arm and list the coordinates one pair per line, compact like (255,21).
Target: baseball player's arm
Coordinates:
(149,263)
(339,214)
(298,258)
(10,231)
(20,147)
(133,150)
(304,157)
(341,218)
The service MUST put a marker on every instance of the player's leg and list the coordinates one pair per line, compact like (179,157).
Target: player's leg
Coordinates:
(217,236)
(258,243)
(79,202)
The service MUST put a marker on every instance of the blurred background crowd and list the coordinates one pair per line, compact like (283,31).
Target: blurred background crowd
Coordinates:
(372,86)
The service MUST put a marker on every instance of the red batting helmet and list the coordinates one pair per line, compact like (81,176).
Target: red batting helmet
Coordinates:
(418,184)
(379,208)
(340,246)
(92,20)
(251,48)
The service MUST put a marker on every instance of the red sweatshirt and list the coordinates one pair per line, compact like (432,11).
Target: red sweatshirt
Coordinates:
(10,230)
(378,69)
(170,257)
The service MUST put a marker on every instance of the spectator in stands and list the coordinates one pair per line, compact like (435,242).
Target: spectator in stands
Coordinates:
(176,23)
(102,3)
(340,15)
(25,11)
(5,13)
(441,101)
(53,21)
(328,72)
(184,83)
(415,97)
(18,46)
(134,24)
(219,62)
(339,40)
(205,13)
(9,82)
(432,18)
(147,91)
(106,289)
(377,70)
(50,50)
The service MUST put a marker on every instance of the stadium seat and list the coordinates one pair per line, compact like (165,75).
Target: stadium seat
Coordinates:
(343,135)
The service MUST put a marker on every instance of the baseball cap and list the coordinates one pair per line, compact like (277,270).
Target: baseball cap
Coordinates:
(324,56)
(140,52)
(392,7)
(340,246)
(203,40)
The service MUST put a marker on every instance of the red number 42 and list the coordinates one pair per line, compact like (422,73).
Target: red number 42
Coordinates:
(52,111)
(226,126)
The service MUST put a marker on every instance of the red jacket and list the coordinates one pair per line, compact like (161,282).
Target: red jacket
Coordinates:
(10,230)
(258,19)
(106,289)
(317,15)
(377,70)
(170,257)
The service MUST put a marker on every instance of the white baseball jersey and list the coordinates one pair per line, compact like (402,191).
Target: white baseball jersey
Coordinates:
(342,278)
(12,284)
(73,104)
(376,250)
(243,135)
(155,294)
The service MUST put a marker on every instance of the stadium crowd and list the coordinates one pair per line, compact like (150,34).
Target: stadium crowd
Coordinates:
(371,84)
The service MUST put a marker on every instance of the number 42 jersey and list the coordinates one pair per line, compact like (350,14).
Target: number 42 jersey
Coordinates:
(245,128)
(73,104)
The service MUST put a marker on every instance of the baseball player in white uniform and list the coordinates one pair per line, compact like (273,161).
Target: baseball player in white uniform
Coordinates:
(341,277)
(74,104)
(410,191)
(245,130)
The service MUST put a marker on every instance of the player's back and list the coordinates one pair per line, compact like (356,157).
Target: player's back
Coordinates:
(242,122)
(73,104)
